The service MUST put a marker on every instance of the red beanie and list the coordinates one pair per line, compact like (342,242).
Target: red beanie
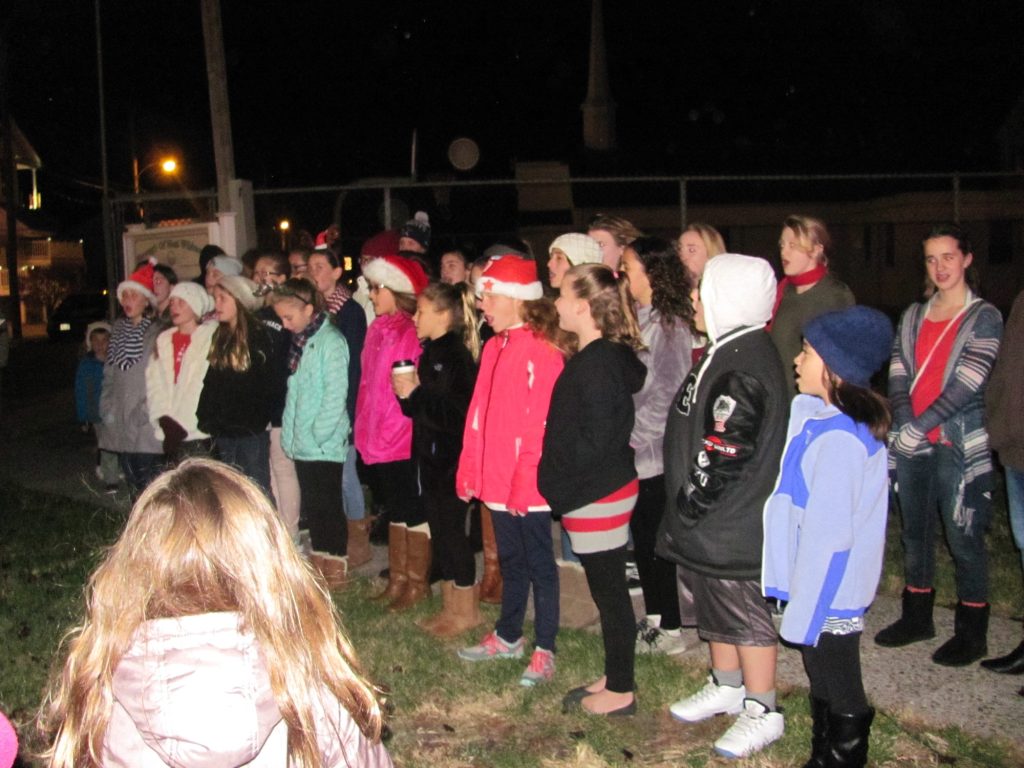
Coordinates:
(382,244)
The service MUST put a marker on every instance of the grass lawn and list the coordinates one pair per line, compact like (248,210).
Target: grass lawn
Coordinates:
(446,712)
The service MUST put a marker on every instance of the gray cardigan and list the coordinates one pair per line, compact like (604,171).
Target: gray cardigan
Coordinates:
(668,358)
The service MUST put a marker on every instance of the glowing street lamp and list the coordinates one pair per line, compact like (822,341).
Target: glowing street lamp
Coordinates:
(284,225)
(168,165)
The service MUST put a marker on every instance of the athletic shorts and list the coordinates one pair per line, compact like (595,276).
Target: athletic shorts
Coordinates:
(729,611)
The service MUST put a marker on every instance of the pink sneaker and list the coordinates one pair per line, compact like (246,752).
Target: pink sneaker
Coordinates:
(540,669)
(492,647)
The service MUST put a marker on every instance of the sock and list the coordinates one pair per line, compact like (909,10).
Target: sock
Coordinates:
(732,678)
(421,528)
(767,699)
(654,619)
(672,632)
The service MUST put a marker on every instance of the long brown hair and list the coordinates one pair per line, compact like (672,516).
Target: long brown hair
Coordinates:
(861,404)
(542,318)
(458,301)
(204,538)
(610,303)
(230,348)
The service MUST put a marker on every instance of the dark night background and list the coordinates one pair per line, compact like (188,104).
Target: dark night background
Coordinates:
(327,92)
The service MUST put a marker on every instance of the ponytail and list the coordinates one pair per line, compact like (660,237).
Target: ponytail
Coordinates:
(611,306)
(459,302)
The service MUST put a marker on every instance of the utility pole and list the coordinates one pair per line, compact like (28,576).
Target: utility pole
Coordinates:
(107,213)
(10,185)
(220,111)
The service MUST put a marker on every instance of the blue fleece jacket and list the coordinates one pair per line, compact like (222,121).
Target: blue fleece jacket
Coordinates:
(824,525)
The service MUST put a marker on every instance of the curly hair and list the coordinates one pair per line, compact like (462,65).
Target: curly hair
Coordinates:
(542,317)
(671,282)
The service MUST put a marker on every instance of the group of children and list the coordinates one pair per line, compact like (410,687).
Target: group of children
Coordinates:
(585,409)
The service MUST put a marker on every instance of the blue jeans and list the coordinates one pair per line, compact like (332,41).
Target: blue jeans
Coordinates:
(351,488)
(1015,502)
(526,559)
(250,455)
(140,469)
(927,482)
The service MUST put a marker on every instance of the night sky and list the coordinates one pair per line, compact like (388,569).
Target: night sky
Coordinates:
(327,92)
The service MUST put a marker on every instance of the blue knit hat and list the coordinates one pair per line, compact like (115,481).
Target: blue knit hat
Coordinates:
(854,342)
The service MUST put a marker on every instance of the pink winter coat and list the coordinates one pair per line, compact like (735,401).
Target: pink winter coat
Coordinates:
(383,433)
(194,692)
(504,433)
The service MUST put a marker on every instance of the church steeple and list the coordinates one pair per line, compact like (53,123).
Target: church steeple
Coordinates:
(599,108)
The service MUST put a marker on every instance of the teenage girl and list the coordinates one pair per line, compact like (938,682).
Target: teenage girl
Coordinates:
(324,270)
(436,398)
(945,350)
(234,407)
(314,425)
(660,288)
(807,289)
(587,470)
(207,641)
(384,434)
(502,446)
(613,234)
(824,525)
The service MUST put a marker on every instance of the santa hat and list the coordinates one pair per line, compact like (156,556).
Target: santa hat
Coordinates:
(243,289)
(512,276)
(397,273)
(418,228)
(578,248)
(382,244)
(193,294)
(140,281)
(228,265)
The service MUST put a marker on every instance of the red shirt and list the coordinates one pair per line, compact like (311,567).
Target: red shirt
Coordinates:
(929,385)
(180,341)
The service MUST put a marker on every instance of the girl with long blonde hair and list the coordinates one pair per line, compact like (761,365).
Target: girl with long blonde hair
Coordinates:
(209,641)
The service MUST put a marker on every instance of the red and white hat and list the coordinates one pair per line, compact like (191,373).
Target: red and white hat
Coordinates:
(140,281)
(397,273)
(512,276)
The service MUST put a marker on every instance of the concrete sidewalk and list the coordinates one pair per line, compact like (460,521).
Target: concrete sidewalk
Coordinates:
(41,448)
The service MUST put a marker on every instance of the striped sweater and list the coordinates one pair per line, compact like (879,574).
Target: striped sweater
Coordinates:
(959,410)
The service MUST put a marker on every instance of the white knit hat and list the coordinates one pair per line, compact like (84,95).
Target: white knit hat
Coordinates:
(511,276)
(228,265)
(195,296)
(578,248)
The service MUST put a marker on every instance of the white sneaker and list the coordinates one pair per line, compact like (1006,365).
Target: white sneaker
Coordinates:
(658,640)
(711,700)
(753,730)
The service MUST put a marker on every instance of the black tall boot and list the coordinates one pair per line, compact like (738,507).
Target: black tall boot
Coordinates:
(1010,664)
(819,734)
(848,739)
(914,625)
(970,637)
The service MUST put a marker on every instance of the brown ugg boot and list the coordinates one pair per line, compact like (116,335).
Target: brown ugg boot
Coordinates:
(417,568)
(359,552)
(576,606)
(430,622)
(490,585)
(464,613)
(334,570)
(397,554)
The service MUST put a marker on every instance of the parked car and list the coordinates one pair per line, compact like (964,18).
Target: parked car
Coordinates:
(74,314)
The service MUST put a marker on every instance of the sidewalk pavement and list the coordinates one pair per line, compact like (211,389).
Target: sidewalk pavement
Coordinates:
(41,448)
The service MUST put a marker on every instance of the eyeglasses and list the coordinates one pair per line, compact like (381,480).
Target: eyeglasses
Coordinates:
(263,273)
(376,287)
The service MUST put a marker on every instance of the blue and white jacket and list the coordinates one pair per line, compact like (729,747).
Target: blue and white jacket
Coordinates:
(824,524)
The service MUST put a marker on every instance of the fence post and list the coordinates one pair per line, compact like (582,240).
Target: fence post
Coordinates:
(956,199)
(387,207)
(682,204)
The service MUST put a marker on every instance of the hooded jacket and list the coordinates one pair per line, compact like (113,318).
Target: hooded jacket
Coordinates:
(178,399)
(504,434)
(586,453)
(824,525)
(726,428)
(194,692)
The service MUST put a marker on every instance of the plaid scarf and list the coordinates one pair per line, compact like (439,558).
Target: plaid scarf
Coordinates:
(299,340)
(126,342)
(337,299)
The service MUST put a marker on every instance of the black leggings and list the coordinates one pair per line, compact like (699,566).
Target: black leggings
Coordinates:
(446,514)
(833,667)
(606,577)
(657,576)
(322,506)
(394,487)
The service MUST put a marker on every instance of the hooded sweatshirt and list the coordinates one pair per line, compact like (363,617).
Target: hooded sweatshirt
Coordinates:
(726,428)
(194,692)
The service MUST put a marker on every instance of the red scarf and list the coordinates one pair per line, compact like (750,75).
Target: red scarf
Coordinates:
(807,278)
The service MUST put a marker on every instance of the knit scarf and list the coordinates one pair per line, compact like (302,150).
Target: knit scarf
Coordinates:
(299,340)
(807,278)
(126,342)
(337,299)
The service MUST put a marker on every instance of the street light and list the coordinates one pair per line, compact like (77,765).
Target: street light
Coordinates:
(168,165)
(284,225)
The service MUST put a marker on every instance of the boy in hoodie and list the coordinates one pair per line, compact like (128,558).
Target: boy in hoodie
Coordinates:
(723,440)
